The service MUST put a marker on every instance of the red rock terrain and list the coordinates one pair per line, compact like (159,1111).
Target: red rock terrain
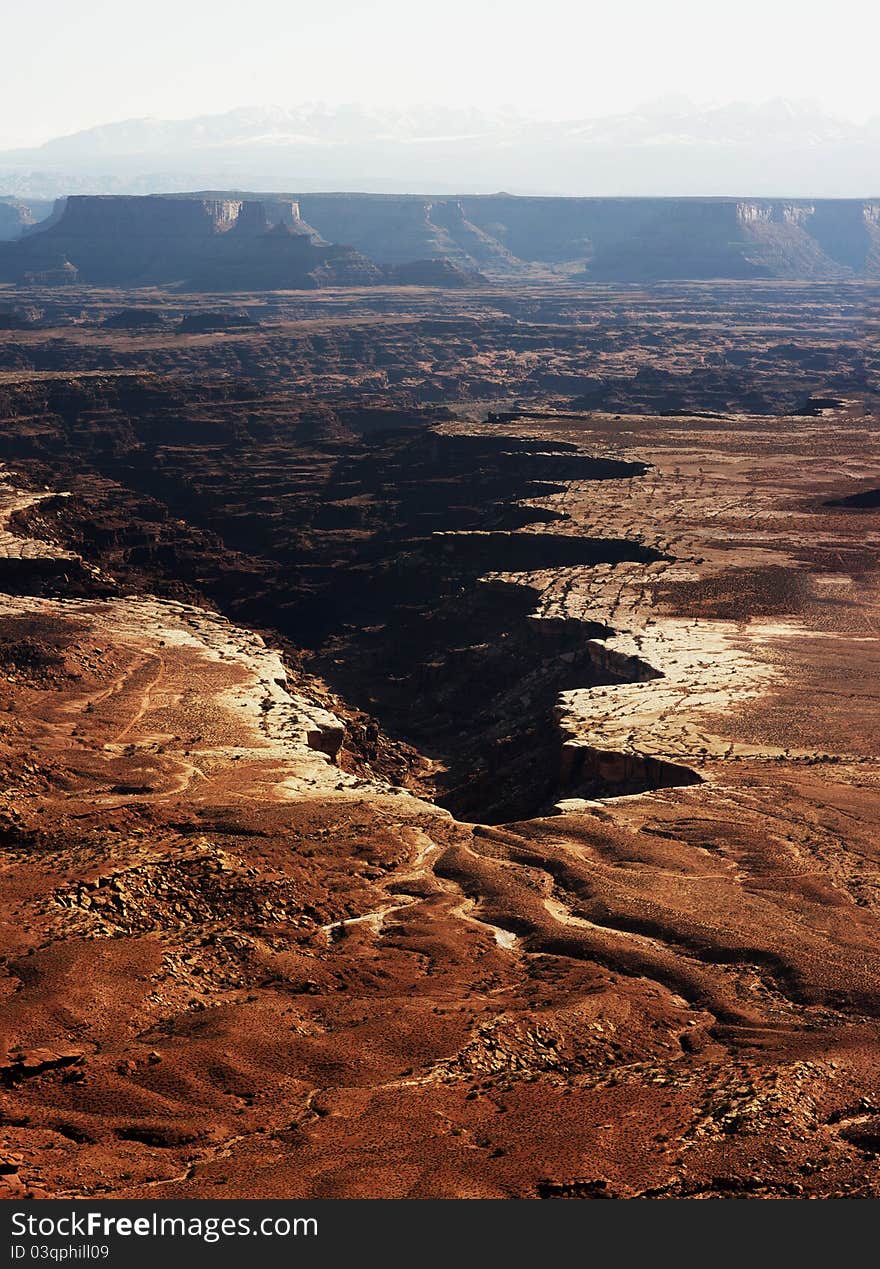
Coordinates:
(528,850)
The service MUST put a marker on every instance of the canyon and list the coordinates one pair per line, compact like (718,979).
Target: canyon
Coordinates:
(439,722)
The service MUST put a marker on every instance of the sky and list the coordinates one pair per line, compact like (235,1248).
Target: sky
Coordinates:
(73,64)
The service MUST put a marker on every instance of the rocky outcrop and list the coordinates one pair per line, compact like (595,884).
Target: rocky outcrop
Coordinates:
(206,243)
(612,239)
(261,242)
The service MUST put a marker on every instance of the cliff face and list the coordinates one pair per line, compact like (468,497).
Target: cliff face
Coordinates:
(399,230)
(207,243)
(641,239)
(263,242)
(612,239)
(271,213)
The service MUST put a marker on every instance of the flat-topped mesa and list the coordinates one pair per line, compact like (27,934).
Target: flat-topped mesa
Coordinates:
(612,239)
(115,240)
(199,218)
(206,242)
(251,241)
(194,218)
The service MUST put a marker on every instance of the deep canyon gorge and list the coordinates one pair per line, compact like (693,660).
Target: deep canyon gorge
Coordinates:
(439,726)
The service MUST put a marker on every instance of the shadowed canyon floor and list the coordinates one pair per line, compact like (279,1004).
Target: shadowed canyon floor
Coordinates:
(528,850)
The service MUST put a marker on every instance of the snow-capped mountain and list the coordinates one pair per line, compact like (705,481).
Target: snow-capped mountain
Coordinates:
(670,146)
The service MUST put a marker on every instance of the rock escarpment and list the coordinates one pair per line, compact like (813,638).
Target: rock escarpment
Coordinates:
(364,551)
(262,242)
(612,239)
(205,243)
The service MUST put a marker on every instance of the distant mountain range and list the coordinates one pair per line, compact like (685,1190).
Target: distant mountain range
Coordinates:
(668,147)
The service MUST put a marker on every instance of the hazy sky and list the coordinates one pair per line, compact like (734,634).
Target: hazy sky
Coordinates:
(70,64)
